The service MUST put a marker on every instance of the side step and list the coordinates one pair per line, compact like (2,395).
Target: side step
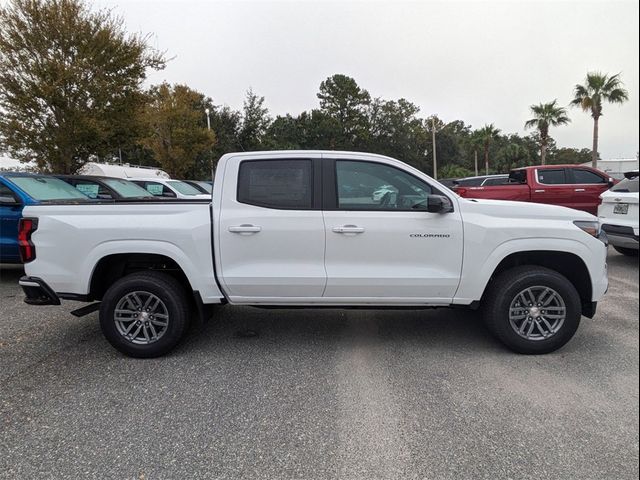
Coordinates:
(86,310)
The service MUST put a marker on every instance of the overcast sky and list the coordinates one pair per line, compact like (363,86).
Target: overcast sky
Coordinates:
(478,61)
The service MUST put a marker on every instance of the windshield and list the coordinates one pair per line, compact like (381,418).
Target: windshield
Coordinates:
(183,188)
(207,187)
(628,185)
(48,188)
(126,188)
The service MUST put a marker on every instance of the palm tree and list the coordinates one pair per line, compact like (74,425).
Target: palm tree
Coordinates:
(486,135)
(546,115)
(597,89)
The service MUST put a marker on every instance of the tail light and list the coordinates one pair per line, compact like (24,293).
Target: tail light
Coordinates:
(25,229)
(461,191)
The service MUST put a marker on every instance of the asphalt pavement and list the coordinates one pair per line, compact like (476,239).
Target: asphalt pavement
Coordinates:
(319,394)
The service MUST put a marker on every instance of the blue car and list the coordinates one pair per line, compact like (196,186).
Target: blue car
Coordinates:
(18,190)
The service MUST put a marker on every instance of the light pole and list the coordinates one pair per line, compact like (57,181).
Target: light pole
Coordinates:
(207,111)
(433,139)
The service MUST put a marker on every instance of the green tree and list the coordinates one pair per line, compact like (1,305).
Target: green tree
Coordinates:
(486,135)
(175,130)
(396,130)
(512,155)
(70,82)
(546,115)
(225,123)
(597,89)
(342,99)
(255,121)
(569,156)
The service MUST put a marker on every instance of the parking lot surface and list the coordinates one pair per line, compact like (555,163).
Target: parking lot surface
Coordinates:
(319,394)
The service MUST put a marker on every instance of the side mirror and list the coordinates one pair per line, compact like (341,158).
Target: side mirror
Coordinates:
(439,204)
(7,201)
(611,182)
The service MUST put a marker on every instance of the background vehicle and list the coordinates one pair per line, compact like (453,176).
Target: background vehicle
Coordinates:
(573,186)
(106,188)
(483,180)
(123,170)
(302,229)
(201,185)
(161,187)
(618,214)
(18,190)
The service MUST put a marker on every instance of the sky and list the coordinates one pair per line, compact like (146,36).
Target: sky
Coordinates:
(478,61)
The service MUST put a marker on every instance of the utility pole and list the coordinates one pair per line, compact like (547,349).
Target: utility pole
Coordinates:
(475,157)
(433,139)
(207,111)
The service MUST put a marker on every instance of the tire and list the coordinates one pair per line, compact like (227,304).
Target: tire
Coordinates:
(529,338)
(155,322)
(629,252)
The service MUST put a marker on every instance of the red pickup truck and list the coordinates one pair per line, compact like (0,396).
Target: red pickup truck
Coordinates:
(573,186)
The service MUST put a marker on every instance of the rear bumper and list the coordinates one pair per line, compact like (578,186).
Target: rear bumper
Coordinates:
(621,236)
(37,292)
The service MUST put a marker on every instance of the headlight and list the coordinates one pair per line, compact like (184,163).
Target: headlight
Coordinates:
(590,227)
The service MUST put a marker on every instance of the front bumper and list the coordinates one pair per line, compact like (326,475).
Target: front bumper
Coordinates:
(37,292)
(621,236)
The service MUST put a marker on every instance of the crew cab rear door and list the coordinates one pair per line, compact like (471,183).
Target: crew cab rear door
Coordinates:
(380,248)
(270,234)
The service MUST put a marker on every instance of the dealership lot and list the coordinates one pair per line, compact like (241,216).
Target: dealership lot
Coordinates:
(319,394)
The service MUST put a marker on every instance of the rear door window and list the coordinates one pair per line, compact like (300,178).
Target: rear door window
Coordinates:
(552,176)
(283,184)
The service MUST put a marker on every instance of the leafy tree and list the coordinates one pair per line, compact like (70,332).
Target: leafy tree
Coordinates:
(511,156)
(487,134)
(70,82)
(225,123)
(546,115)
(454,171)
(255,121)
(395,130)
(568,156)
(590,96)
(342,99)
(175,130)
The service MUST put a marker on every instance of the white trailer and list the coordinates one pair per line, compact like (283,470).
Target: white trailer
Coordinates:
(121,170)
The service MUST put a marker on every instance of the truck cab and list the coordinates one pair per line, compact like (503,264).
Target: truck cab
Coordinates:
(573,186)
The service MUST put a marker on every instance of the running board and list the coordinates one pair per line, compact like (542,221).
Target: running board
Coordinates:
(86,310)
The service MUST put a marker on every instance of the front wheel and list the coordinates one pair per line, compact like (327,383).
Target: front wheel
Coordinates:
(532,310)
(629,252)
(144,314)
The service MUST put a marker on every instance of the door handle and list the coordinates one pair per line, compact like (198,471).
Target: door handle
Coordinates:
(539,191)
(348,229)
(245,228)
(581,190)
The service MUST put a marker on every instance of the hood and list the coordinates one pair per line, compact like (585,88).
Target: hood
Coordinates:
(508,209)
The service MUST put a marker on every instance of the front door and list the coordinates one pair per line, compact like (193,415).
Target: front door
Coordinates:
(271,231)
(587,187)
(553,187)
(382,247)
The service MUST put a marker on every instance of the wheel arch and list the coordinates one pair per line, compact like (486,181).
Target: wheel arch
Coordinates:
(112,267)
(567,264)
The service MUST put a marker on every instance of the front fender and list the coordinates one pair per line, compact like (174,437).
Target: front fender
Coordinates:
(477,271)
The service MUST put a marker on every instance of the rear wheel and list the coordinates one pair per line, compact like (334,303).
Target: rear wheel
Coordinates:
(144,314)
(532,309)
(629,252)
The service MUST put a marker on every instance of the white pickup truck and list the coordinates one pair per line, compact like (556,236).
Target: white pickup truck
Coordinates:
(305,229)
